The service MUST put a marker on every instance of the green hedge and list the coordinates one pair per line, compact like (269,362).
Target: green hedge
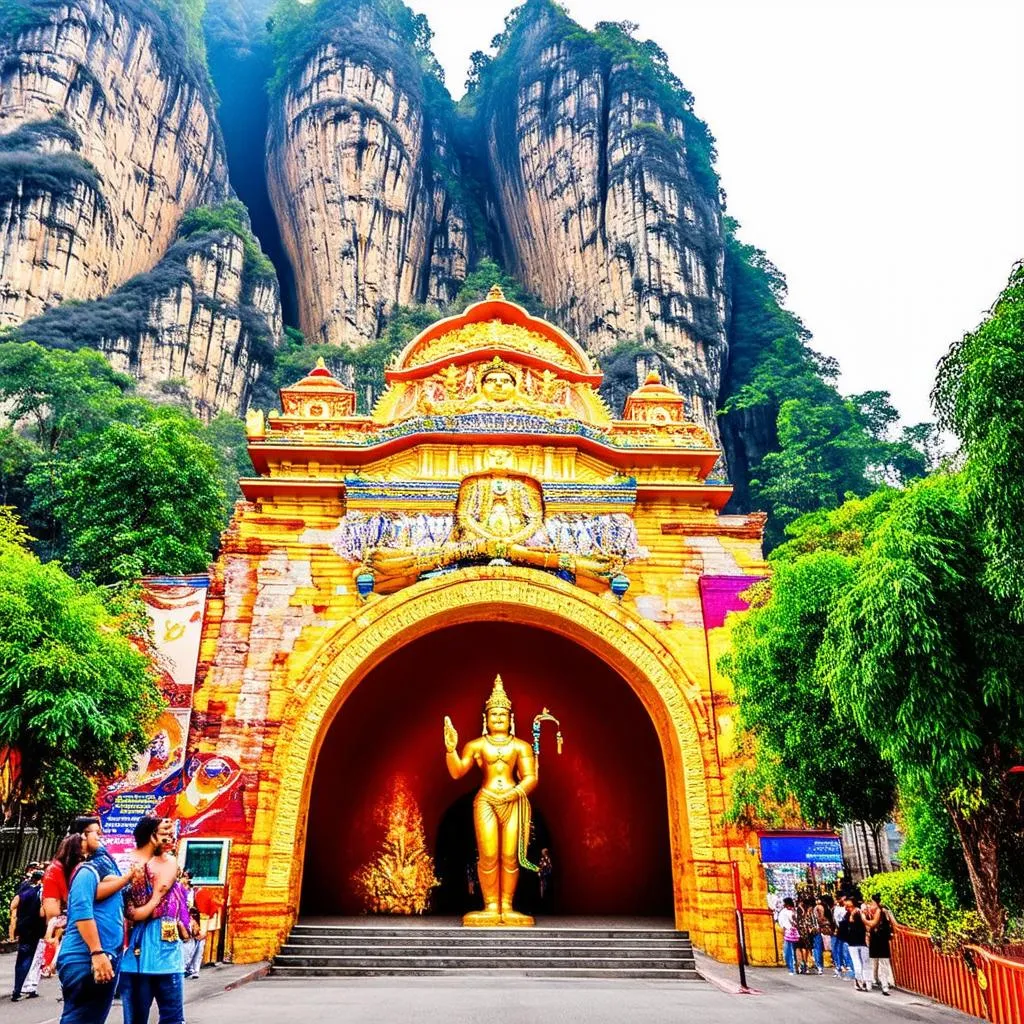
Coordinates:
(923,901)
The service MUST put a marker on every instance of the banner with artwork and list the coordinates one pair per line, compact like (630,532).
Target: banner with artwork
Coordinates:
(175,606)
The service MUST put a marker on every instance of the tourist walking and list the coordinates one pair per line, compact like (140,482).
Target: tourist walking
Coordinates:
(91,951)
(857,943)
(823,939)
(807,925)
(790,933)
(153,964)
(195,945)
(28,926)
(880,925)
(54,893)
(840,950)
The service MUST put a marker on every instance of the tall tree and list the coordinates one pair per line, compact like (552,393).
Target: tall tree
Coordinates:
(979,395)
(808,745)
(76,694)
(137,499)
(926,658)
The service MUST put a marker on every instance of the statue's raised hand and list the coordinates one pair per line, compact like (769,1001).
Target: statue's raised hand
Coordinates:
(451,737)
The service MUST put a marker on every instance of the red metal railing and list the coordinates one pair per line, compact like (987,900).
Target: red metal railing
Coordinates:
(976,981)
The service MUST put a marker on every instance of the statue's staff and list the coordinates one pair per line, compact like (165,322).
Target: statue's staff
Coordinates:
(546,716)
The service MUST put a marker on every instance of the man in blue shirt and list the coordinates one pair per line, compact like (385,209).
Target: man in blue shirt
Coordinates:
(91,951)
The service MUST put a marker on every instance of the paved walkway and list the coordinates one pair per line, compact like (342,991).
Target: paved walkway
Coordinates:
(45,1009)
(461,1000)
(222,996)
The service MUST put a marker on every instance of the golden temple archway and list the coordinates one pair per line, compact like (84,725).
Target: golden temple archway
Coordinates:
(601,808)
(272,884)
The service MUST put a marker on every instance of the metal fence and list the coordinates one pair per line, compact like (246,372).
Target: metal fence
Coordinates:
(976,981)
(19,847)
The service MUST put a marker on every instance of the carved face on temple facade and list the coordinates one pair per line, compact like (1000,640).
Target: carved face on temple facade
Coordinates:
(498,385)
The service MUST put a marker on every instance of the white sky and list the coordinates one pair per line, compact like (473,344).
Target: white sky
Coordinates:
(874,149)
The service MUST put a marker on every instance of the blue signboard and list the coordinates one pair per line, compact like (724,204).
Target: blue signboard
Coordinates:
(801,850)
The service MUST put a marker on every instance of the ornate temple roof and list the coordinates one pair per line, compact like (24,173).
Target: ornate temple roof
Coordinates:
(493,375)
(492,327)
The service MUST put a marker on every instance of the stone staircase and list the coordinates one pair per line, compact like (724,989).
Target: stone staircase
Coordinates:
(323,951)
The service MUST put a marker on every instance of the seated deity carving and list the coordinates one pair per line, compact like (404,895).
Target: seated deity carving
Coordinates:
(499,518)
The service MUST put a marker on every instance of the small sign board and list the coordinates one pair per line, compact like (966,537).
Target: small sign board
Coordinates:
(796,849)
(206,860)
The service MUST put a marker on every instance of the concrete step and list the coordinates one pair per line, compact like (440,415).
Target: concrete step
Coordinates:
(673,975)
(442,959)
(293,950)
(317,950)
(377,932)
(477,941)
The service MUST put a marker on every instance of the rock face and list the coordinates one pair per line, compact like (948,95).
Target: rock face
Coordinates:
(197,324)
(603,210)
(359,166)
(107,134)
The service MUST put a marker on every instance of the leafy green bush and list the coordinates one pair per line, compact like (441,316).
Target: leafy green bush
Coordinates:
(8,885)
(927,903)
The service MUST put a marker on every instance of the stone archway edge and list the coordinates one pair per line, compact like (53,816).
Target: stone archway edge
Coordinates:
(604,626)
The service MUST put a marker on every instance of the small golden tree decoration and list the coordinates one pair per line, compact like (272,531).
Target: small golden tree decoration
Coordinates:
(401,878)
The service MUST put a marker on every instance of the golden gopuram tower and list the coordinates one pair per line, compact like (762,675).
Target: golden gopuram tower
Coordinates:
(489,516)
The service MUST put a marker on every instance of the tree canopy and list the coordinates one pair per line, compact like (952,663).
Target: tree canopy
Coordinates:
(979,396)
(879,613)
(135,499)
(77,696)
(110,482)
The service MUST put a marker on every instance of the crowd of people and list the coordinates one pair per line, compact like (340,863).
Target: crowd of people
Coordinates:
(136,934)
(856,934)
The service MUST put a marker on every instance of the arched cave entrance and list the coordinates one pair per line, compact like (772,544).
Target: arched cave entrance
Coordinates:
(601,807)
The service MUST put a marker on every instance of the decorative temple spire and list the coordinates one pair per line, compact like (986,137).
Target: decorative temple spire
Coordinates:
(496,292)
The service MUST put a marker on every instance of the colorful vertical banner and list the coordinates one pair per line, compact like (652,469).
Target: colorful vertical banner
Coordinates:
(175,606)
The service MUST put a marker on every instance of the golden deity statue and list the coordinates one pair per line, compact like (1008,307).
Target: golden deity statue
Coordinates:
(501,810)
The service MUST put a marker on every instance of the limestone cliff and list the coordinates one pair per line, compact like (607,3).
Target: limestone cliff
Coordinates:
(607,203)
(107,134)
(361,175)
(200,324)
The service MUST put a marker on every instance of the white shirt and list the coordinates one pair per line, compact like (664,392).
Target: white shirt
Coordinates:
(787,918)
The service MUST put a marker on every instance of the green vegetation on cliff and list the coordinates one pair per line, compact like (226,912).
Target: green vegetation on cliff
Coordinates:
(640,65)
(176,26)
(231,216)
(128,312)
(383,33)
